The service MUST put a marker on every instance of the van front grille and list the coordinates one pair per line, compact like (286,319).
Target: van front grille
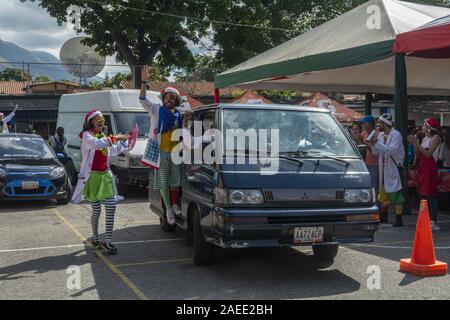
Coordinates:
(340,195)
(305,219)
(268,195)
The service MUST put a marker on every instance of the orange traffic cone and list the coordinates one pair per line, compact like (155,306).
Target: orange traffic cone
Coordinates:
(423,261)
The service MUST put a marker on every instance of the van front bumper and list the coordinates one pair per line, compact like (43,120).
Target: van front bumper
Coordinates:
(282,234)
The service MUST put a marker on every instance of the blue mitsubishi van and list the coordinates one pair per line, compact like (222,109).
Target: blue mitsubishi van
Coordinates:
(309,188)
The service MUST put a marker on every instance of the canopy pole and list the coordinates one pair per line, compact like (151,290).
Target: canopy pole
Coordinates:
(442,119)
(401,115)
(217,95)
(368,104)
(401,96)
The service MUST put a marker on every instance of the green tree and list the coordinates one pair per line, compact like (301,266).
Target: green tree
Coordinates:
(206,68)
(42,79)
(11,74)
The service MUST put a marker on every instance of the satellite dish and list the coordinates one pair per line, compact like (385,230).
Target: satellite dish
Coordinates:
(81,60)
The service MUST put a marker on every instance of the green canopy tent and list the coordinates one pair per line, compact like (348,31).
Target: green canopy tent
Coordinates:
(352,53)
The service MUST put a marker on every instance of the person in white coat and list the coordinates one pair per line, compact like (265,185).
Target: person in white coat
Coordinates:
(4,120)
(95,181)
(165,120)
(391,154)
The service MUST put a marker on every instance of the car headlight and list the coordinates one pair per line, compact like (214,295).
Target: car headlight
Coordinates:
(358,196)
(57,172)
(224,196)
(246,196)
(2,173)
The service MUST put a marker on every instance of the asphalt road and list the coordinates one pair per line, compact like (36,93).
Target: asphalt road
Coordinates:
(39,241)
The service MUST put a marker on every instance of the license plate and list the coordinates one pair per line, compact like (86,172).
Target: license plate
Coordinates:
(30,185)
(308,234)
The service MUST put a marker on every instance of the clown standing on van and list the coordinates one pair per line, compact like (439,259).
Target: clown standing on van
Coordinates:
(95,181)
(165,119)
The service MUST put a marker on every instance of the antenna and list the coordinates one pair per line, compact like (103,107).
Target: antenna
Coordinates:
(81,60)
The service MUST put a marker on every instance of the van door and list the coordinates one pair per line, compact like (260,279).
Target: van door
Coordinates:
(199,177)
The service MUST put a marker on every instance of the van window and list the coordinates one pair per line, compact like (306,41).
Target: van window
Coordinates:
(73,123)
(313,133)
(126,120)
(208,119)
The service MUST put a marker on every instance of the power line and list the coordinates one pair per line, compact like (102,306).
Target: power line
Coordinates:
(197,19)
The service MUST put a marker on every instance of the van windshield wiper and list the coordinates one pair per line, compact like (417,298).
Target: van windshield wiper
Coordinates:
(281,155)
(317,154)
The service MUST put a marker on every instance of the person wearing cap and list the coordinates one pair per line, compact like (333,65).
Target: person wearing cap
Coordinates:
(388,146)
(371,160)
(95,180)
(164,120)
(355,132)
(427,153)
(4,120)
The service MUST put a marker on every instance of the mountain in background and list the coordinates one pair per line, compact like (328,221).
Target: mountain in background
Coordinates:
(9,52)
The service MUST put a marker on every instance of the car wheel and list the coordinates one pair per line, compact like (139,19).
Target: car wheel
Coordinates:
(325,251)
(203,251)
(69,192)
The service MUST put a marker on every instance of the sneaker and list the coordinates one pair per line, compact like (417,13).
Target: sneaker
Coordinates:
(109,247)
(434,226)
(176,209)
(170,216)
(96,244)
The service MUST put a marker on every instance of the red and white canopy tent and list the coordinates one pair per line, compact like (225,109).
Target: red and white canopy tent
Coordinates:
(250,96)
(342,113)
(430,42)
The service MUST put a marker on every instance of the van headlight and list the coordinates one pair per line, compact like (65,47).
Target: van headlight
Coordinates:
(358,196)
(224,196)
(58,172)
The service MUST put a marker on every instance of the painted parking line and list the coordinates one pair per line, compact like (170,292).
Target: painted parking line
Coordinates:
(388,244)
(149,222)
(153,262)
(105,260)
(83,245)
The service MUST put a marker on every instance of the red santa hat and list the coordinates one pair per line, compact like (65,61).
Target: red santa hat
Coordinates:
(91,115)
(432,124)
(173,91)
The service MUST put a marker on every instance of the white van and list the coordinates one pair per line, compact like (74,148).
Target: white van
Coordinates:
(121,109)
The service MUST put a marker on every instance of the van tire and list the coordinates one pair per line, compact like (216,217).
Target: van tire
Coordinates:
(203,251)
(71,172)
(165,226)
(325,251)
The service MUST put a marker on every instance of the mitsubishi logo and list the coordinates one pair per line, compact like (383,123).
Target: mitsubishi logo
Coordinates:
(305,196)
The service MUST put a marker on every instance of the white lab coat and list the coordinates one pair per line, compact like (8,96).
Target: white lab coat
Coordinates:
(392,149)
(4,123)
(89,144)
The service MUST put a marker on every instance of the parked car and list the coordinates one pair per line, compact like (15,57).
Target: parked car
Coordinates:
(121,110)
(321,194)
(30,170)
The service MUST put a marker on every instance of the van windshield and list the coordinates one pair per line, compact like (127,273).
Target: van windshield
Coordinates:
(302,132)
(126,120)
